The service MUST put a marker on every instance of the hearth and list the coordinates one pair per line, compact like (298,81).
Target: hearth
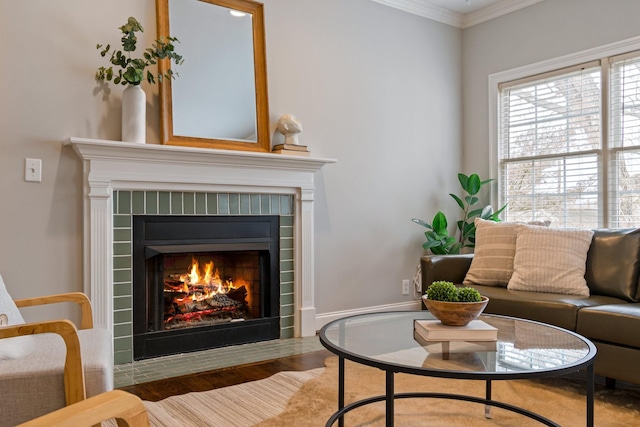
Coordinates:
(202,282)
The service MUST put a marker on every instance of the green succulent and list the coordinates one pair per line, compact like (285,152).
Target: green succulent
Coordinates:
(132,70)
(446,291)
(443,291)
(468,294)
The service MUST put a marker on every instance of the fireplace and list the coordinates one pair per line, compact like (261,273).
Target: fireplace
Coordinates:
(122,180)
(202,282)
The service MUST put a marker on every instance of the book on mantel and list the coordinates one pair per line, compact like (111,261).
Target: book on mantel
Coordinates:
(476,330)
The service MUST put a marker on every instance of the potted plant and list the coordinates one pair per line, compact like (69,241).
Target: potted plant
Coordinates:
(439,241)
(131,72)
(453,305)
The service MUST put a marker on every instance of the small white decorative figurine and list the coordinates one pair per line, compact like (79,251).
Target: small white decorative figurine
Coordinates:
(290,127)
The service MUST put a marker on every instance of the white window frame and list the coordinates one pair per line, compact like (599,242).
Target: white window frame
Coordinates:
(550,65)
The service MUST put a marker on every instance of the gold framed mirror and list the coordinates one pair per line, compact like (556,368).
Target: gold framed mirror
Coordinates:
(219,99)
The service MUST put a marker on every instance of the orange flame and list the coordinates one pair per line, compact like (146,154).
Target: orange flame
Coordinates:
(208,273)
(210,281)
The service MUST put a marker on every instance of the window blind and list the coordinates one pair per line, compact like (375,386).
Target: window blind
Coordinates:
(550,148)
(624,174)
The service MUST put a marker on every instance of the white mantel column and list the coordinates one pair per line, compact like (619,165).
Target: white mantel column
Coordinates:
(98,238)
(304,274)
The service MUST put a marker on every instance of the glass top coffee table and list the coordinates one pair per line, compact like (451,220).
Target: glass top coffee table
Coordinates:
(524,350)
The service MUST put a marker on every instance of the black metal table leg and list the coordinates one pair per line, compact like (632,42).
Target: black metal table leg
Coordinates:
(591,378)
(487,408)
(341,389)
(390,399)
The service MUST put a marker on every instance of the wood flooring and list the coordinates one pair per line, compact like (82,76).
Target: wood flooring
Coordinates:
(203,381)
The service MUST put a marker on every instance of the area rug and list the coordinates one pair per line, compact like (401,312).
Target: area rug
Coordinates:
(562,400)
(308,399)
(242,405)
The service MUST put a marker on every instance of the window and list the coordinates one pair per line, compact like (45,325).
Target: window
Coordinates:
(569,145)
(624,177)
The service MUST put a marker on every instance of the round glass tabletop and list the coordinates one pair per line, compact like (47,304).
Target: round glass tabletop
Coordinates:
(523,349)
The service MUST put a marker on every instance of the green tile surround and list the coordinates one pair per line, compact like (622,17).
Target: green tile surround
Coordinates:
(129,203)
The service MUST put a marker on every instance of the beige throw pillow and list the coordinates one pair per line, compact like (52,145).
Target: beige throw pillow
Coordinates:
(550,260)
(492,263)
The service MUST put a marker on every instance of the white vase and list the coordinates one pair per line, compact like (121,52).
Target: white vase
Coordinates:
(134,104)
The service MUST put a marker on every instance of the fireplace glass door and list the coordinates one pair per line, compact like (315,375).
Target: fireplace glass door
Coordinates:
(214,285)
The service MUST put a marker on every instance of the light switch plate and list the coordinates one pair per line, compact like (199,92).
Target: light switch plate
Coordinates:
(33,170)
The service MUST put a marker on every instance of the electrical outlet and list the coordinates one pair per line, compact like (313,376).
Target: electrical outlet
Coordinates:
(405,286)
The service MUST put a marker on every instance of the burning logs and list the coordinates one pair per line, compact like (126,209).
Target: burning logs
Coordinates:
(189,304)
(239,294)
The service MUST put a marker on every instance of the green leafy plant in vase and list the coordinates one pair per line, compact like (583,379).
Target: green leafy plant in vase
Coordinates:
(131,71)
(439,241)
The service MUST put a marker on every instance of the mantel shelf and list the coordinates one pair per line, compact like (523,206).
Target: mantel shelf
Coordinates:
(98,148)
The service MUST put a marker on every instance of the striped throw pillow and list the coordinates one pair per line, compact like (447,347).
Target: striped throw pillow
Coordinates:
(492,263)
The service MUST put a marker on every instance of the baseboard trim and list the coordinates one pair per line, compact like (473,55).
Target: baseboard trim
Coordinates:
(323,319)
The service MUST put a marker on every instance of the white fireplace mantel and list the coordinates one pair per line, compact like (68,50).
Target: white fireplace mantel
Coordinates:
(114,165)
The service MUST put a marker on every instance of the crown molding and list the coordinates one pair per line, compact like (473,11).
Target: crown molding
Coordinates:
(427,10)
(495,10)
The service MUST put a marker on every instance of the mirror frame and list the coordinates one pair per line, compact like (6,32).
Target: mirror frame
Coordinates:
(263,142)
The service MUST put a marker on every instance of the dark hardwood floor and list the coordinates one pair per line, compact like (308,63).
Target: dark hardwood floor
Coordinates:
(160,389)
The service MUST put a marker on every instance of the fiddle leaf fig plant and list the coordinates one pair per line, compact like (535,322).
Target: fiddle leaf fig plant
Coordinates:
(131,71)
(439,241)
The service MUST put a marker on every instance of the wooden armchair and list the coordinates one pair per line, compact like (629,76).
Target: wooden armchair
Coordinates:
(126,408)
(48,373)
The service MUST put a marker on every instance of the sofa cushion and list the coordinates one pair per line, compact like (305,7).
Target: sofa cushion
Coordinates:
(555,309)
(613,323)
(613,264)
(550,260)
(17,347)
(492,263)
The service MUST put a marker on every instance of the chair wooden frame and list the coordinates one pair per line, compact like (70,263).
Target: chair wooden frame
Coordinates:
(74,386)
(126,408)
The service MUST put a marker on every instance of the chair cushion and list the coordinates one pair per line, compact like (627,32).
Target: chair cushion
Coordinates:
(550,260)
(34,385)
(12,348)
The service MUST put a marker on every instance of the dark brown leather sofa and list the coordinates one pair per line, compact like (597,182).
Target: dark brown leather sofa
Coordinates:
(609,317)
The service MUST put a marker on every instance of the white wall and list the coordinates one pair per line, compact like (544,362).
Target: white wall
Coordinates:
(547,30)
(376,88)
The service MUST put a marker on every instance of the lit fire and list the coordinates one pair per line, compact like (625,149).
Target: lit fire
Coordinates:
(201,296)
(209,282)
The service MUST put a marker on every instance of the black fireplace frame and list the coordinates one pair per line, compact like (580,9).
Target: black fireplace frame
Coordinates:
(158,234)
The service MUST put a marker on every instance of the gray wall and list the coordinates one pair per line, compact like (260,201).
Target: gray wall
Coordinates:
(376,88)
(547,30)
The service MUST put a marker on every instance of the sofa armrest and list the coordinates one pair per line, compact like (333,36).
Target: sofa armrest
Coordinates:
(86,320)
(74,387)
(451,268)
